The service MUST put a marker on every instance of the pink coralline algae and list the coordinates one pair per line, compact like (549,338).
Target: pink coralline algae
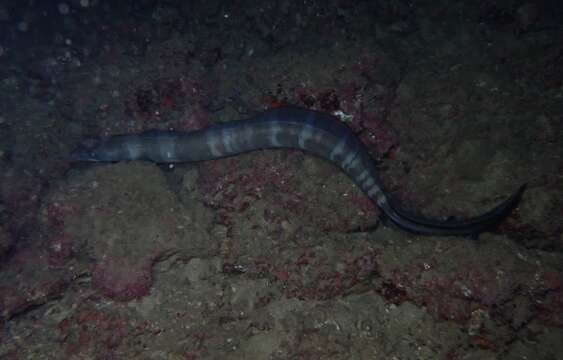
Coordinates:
(92,331)
(312,276)
(122,281)
(474,281)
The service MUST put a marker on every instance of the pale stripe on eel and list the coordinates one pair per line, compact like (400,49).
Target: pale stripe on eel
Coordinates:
(275,129)
(213,145)
(306,133)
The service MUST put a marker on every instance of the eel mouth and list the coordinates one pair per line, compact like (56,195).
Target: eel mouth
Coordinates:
(86,151)
(83,154)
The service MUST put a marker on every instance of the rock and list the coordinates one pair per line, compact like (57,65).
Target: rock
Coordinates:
(125,218)
(25,283)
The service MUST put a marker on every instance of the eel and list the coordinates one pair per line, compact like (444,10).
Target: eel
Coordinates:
(314,132)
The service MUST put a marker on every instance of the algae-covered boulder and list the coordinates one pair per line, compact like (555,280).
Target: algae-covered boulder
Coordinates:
(125,217)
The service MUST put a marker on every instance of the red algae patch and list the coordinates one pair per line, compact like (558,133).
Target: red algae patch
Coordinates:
(121,281)
(95,333)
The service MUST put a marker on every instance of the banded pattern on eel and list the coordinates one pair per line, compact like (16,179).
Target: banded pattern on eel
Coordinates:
(288,127)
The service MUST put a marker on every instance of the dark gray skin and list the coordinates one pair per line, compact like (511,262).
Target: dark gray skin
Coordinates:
(313,132)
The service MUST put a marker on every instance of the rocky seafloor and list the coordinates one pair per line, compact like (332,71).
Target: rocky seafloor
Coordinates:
(276,254)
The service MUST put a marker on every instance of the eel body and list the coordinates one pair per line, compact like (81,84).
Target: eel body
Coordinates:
(288,127)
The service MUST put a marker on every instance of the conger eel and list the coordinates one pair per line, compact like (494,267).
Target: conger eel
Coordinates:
(287,127)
